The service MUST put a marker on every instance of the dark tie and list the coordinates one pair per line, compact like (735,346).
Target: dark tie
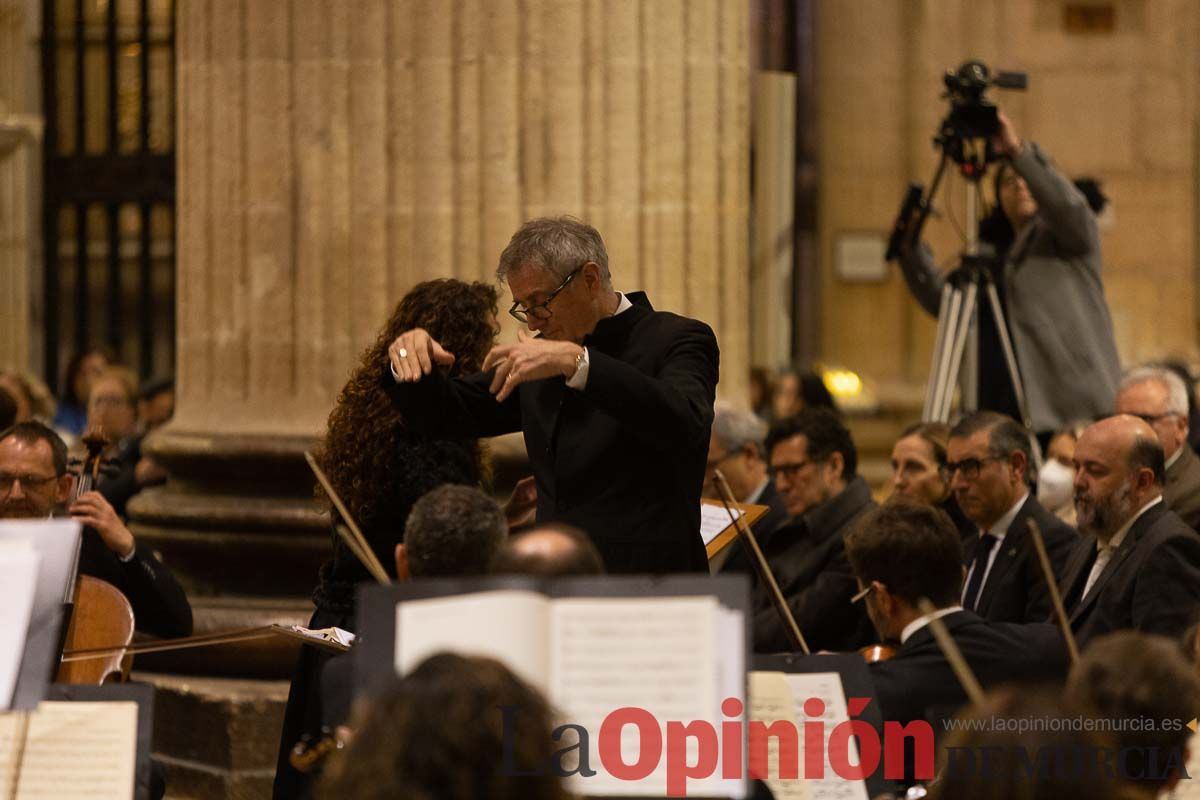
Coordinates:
(978,567)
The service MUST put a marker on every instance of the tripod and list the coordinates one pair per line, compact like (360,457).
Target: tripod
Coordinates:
(962,292)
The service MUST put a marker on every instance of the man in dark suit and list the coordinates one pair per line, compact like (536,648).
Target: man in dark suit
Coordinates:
(34,483)
(1138,564)
(736,449)
(1158,396)
(615,399)
(988,458)
(904,551)
(814,463)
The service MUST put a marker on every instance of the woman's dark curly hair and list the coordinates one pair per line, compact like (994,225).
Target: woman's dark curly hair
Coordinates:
(368,453)
(440,733)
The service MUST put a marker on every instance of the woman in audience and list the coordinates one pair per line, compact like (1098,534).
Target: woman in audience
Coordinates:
(71,416)
(917,460)
(379,468)
(32,397)
(796,390)
(1056,480)
(440,732)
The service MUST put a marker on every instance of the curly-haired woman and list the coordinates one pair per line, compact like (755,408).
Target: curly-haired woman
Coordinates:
(380,468)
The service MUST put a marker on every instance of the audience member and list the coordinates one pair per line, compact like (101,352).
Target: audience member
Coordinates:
(552,550)
(32,397)
(1189,381)
(1023,745)
(735,448)
(904,551)
(987,468)
(761,389)
(814,464)
(71,414)
(1158,396)
(34,483)
(155,403)
(1056,480)
(440,732)
(918,458)
(112,412)
(1138,564)
(1126,678)
(796,390)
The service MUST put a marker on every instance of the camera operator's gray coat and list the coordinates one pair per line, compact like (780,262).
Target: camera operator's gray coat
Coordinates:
(1054,299)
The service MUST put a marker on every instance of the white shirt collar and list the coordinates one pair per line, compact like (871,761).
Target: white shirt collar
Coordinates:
(922,621)
(1002,525)
(1123,531)
(1176,455)
(623,304)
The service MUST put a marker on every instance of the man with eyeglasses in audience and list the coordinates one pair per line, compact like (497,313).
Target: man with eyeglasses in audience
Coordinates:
(988,457)
(815,468)
(35,484)
(614,398)
(1159,397)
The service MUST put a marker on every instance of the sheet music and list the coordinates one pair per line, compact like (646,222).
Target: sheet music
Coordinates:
(771,701)
(657,654)
(714,519)
(827,686)
(18,580)
(73,751)
(510,626)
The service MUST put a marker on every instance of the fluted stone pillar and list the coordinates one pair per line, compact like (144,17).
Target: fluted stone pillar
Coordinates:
(19,133)
(331,155)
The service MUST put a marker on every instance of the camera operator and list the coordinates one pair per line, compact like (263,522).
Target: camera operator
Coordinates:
(1050,288)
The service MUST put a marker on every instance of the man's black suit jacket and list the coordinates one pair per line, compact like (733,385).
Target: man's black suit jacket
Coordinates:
(160,606)
(1151,583)
(808,559)
(623,459)
(1182,492)
(764,526)
(1015,590)
(918,683)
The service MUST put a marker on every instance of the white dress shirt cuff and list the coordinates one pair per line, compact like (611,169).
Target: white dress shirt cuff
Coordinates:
(578,381)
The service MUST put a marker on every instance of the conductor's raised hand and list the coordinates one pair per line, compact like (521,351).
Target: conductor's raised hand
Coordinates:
(529,359)
(414,354)
(1006,142)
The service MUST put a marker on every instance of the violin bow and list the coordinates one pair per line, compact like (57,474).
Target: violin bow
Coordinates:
(353,537)
(1060,611)
(760,562)
(962,670)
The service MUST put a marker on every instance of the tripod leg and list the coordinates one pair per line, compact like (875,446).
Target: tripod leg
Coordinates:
(943,379)
(939,343)
(967,314)
(1014,374)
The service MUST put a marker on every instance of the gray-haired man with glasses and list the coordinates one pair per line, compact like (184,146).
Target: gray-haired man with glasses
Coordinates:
(987,467)
(614,398)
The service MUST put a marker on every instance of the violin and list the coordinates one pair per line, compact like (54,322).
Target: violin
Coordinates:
(874,653)
(96,613)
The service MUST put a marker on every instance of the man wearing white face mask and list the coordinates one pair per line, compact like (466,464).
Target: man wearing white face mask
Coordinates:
(1055,481)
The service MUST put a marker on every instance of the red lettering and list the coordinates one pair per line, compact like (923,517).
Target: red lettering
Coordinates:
(649,745)
(678,770)
(789,749)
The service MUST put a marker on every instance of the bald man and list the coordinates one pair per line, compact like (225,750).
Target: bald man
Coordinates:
(1137,565)
(552,550)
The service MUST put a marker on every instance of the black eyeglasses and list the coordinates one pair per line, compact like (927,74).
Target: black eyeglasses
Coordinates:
(969,467)
(30,482)
(542,309)
(789,471)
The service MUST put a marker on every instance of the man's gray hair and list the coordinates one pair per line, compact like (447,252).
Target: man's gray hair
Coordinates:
(1177,393)
(559,245)
(735,428)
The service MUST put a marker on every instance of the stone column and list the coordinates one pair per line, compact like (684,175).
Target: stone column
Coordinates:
(333,154)
(20,130)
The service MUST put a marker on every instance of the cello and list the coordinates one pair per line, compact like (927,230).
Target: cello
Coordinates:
(96,613)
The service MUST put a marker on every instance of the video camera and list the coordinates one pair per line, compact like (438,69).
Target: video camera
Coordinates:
(972,117)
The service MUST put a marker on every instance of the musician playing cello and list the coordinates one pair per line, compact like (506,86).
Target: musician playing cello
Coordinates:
(35,484)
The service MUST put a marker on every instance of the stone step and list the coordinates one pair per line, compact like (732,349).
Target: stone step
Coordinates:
(216,737)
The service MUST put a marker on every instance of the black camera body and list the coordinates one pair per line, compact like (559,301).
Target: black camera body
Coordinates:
(966,132)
